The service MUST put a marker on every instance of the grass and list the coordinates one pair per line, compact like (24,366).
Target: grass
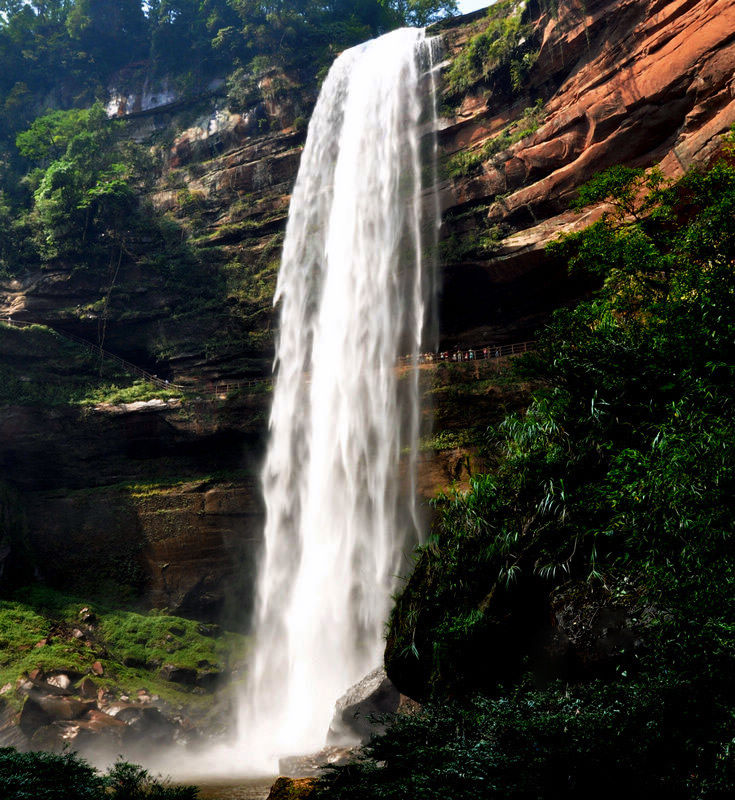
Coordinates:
(131,646)
(138,391)
(161,485)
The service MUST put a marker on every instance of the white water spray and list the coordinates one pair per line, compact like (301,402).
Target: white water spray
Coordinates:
(339,477)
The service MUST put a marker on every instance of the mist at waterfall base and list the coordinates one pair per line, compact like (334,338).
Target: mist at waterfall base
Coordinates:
(339,478)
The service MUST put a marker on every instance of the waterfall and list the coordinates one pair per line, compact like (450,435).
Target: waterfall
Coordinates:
(339,479)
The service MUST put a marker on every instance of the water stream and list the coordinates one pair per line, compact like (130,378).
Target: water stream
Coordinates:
(355,287)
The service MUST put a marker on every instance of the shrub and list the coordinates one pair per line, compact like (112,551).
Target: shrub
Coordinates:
(46,776)
(500,44)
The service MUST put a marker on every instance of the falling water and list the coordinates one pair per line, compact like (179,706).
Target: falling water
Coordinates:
(354,288)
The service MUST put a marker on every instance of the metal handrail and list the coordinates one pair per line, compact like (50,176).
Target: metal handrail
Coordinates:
(100,351)
(471,354)
(224,388)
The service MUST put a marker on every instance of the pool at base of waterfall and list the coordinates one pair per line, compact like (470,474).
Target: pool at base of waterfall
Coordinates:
(236,789)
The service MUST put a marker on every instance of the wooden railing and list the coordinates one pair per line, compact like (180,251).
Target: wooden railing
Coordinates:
(223,389)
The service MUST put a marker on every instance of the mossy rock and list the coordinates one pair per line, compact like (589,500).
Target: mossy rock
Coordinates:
(292,789)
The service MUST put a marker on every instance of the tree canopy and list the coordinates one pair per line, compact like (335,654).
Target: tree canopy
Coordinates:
(65,176)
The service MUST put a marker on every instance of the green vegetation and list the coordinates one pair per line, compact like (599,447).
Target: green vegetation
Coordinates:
(162,485)
(463,394)
(468,162)
(45,776)
(581,741)
(504,47)
(131,646)
(310,32)
(82,178)
(138,391)
(480,241)
(66,54)
(452,440)
(75,186)
(39,367)
(613,490)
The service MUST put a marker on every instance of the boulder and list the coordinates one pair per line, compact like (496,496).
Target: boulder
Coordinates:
(94,733)
(57,707)
(292,789)
(145,723)
(10,733)
(87,689)
(32,717)
(61,681)
(209,679)
(356,711)
(95,721)
(312,766)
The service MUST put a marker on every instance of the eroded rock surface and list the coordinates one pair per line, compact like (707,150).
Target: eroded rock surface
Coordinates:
(310,766)
(107,494)
(122,491)
(637,82)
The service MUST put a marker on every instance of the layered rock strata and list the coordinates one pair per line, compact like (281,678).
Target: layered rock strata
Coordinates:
(637,82)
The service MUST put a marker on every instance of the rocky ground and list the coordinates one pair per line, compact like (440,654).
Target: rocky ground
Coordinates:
(108,681)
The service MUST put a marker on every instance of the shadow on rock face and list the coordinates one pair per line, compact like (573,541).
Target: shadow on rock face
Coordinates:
(357,712)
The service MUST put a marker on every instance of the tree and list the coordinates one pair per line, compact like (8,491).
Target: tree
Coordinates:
(421,12)
(82,189)
(49,135)
(113,32)
(307,31)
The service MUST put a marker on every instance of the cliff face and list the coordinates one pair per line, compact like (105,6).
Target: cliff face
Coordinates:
(609,81)
(633,81)
(201,308)
(637,82)
(157,501)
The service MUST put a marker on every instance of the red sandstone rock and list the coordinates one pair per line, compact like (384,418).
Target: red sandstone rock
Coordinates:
(625,81)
